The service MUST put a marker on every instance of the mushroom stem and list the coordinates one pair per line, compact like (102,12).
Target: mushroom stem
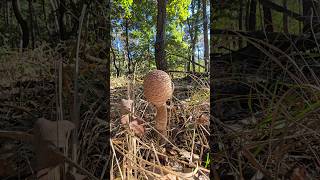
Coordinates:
(161,119)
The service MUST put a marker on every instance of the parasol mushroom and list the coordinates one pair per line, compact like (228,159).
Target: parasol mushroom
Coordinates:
(158,88)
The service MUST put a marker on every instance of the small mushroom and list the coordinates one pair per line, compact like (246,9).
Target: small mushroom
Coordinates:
(158,88)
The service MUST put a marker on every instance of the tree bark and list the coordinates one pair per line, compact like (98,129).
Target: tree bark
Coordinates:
(114,62)
(194,36)
(23,24)
(285,18)
(252,16)
(240,21)
(160,54)
(205,34)
(62,10)
(267,19)
(31,23)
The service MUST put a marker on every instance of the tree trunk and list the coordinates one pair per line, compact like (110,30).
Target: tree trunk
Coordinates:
(193,39)
(31,23)
(23,24)
(193,31)
(240,21)
(267,19)
(205,34)
(62,10)
(285,18)
(247,15)
(160,54)
(127,46)
(7,13)
(306,10)
(252,16)
(114,62)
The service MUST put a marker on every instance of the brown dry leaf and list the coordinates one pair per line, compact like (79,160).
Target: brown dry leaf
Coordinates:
(48,174)
(53,131)
(187,154)
(124,119)
(137,128)
(203,119)
(138,119)
(299,173)
(126,106)
(46,156)
(46,140)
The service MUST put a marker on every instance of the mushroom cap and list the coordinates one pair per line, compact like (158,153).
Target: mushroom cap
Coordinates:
(157,87)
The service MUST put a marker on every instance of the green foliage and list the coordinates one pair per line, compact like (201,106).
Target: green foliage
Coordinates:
(142,18)
(126,5)
(179,8)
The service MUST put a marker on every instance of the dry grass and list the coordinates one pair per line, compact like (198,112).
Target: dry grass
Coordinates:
(141,157)
(30,89)
(272,130)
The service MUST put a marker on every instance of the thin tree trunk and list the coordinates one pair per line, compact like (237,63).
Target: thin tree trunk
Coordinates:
(306,10)
(198,58)
(252,16)
(127,46)
(7,13)
(240,21)
(54,9)
(247,14)
(31,23)
(114,62)
(285,18)
(193,30)
(267,19)
(195,38)
(205,35)
(160,54)
(62,10)
(23,24)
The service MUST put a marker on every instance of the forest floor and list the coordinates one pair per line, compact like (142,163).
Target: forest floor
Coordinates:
(186,153)
(266,114)
(32,85)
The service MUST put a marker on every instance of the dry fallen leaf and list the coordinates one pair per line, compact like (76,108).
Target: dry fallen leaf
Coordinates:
(124,119)
(137,128)
(48,135)
(46,156)
(54,132)
(203,119)
(48,174)
(126,106)
(299,173)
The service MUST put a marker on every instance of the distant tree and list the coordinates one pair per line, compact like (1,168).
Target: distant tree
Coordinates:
(160,55)
(22,22)
(285,18)
(205,34)
(252,16)
(240,20)
(267,19)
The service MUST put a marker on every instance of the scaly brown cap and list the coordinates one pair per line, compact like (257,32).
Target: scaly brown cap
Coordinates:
(157,87)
